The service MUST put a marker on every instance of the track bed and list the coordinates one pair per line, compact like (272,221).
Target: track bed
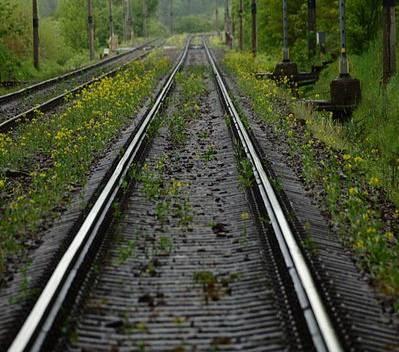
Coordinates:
(209,289)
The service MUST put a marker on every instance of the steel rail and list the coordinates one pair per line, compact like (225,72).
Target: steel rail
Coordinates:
(8,124)
(319,324)
(27,90)
(37,327)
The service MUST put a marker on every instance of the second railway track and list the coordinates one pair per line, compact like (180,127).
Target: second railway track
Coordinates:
(196,254)
(45,96)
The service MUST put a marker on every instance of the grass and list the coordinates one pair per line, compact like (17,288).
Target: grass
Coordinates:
(126,252)
(214,286)
(358,166)
(374,129)
(210,153)
(168,195)
(56,153)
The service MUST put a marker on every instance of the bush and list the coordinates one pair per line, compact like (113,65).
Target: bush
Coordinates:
(10,66)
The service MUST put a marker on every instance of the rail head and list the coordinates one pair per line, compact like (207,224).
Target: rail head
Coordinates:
(320,326)
(37,326)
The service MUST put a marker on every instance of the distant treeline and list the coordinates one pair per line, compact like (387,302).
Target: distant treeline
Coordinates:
(63,32)
(63,26)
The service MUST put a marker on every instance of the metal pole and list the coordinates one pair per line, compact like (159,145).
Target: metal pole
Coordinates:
(171,16)
(389,55)
(241,14)
(217,17)
(311,28)
(343,59)
(254,40)
(144,18)
(35,23)
(226,14)
(90,24)
(126,21)
(131,29)
(286,52)
(111,20)
(229,25)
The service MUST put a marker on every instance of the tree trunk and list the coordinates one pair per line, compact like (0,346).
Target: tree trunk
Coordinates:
(90,24)
(145,14)
(171,19)
(35,22)
(241,34)
(254,40)
(311,28)
(130,20)
(389,56)
(111,20)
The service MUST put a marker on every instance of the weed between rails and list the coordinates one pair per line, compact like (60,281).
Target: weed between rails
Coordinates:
(353,195)
(214,286)
(169,195)
(70,141)
(190,86)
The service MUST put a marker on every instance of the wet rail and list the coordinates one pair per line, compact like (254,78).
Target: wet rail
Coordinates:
(37,326)
(271,303)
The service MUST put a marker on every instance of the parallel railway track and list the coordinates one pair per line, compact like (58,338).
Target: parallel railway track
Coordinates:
(37,329)
(11,117)
(275,306)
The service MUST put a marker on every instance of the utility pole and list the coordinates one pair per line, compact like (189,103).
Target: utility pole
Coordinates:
(345,91)
(125,20)
(286,52)
(217,17)
(311,28)
(227,25)
(145,14)
(241,34)
(35,22)
(343,59)
(389,55)
(90,24)
(171,16)
(111,20)
(285,68)
(130,20)
(254,41)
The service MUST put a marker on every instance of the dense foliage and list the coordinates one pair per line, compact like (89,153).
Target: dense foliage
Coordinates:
(363,22)
(72,141)
(63,33)
(63,30)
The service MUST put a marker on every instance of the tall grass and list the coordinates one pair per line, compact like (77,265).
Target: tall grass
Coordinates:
(374,129)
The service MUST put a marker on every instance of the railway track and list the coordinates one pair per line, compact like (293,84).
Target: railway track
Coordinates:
(222,269)
(23,105)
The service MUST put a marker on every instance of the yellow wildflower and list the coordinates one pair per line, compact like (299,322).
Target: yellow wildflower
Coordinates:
(374,181)
(245,216)
(352,191)
(359,245)
(389,236)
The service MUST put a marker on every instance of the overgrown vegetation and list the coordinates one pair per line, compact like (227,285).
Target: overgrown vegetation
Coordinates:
(374,129)
(63,34)
(353,163)
(46,159)
(363,22)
